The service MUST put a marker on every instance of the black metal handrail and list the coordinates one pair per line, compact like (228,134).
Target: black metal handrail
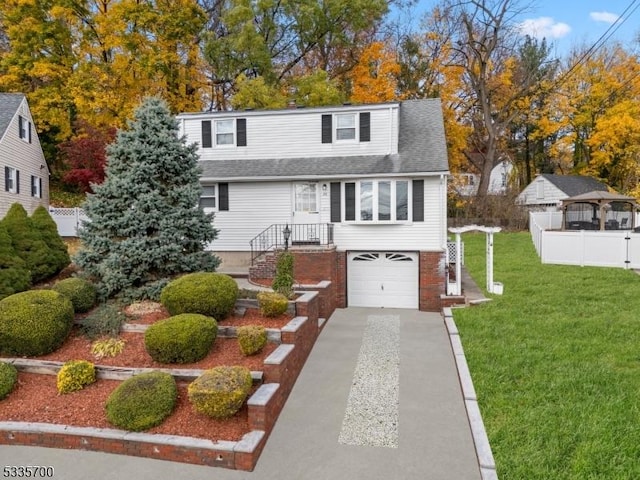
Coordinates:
(274,237)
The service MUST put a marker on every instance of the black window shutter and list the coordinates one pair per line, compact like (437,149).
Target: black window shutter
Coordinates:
(29,123)
(33,186)
(327,133)
(335,202)
(6,179)
(17,181)
(206,134)
(349,201)
(223,196)
(418,200)
(39,188)
(20,120)
(365,127)
(241,130)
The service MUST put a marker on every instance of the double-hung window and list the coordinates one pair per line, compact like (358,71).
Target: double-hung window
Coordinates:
(346,126)
(11,180)
(215,197)
(36,186)
(208,197)
(225,132)
(24,128)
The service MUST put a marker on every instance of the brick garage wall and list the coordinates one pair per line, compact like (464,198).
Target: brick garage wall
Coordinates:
(431,280)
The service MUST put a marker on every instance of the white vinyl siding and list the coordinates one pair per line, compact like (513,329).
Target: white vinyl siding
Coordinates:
(265,141)
(541,192)
(26,158)
(252,208)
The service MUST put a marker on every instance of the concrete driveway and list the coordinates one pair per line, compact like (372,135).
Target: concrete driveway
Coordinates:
(378,398)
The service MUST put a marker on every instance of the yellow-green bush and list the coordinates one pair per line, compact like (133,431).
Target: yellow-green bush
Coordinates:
(142,402)
(35,322)
(221,391)
(252,339)
(107,347)
(75,375)
(81,293)
(183,338)
(8,378)
(211,294)
(272,304)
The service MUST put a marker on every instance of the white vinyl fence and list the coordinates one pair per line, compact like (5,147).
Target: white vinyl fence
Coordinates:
(611,248)
(68,220)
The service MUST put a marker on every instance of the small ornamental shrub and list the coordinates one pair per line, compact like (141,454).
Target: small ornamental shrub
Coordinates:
(107,347)
(211,294)
(28,244)
(104,321)
(283,280)
(221,391)
(33,323)
(252,339)
(184,338)
(75,375)
(8,379)
(14,275)
(44,224)
(142,402)
(81,293)
(272,304)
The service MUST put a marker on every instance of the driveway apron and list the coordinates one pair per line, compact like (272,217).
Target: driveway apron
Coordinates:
(379,398)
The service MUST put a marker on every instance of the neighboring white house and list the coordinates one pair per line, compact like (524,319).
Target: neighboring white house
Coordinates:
(25,176)
(366,182)
(466,184)
(547,191)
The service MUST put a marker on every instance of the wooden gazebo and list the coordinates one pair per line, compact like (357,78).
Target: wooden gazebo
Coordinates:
(599,210)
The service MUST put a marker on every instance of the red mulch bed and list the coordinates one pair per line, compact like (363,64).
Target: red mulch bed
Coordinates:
(36,399)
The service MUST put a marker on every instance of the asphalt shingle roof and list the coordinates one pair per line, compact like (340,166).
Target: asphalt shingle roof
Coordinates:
(9,103)
(421,149)
(574,185)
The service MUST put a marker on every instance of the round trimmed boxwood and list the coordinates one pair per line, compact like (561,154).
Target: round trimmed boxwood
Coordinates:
(251,338)
(184,338)
(221,391)
(142,402)
(81,293)
(8,378)
(35,322)
(207,293)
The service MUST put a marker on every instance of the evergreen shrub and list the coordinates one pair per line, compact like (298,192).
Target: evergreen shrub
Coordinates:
(252,339)
(283,280)
(207,293)
(8,378)
(272,304)
(81,293)
(142,402)
(103,321)
(221,391)
(44,224)
(14,275)
(75,375)
(184,338)
(33,323)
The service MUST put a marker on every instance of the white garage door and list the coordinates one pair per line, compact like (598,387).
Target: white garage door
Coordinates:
(382,279)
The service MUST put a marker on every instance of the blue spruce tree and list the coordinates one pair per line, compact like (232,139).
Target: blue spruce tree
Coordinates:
(146,225)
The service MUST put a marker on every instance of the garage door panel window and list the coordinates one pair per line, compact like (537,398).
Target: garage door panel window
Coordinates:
(377,201)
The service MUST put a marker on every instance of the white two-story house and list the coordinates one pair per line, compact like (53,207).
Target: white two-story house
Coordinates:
(361,189)
(25,176)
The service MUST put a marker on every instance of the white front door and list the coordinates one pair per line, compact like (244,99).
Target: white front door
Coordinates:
(382,279)
(306,203)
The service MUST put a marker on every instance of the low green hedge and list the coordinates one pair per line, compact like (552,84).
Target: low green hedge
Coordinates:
(34,323)
(272,304)
(221,391)
(8,379)
(211,294)
(81,293)
(142,402)
(252,339)
(184,338)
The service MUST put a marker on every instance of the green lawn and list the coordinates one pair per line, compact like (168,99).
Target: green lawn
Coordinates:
(556,364)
